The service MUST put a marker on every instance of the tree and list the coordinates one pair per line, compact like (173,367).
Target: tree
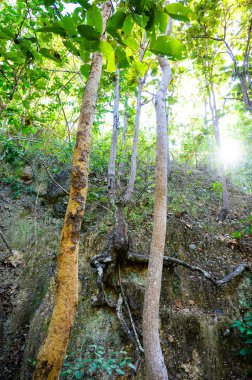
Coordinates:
(215,119)
(153,352)
(237,43)
(52,353)
(152,348)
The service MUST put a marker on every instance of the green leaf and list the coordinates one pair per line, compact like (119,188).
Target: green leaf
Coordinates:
(138,6)
(161,20)
(245,351)
(141,20)
(131,366)
(111,63)
(120,371)
(85,69)
(131,43)
(85,55)
(53,29)
(48,2)
(140,68)
(88,32)
(94,18)
(50,54)
(236,234)
(116,21)
(128,25)
(69,25)
(106,48)
(71,47)
(4,36)
(108,52)
(217,186)
(78,374)
(14,57)
(165,45)
(178,11)
(122,59)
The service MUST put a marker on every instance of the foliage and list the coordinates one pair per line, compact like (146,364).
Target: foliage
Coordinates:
(96,363)
(246,230)
(245,328)
(217,186)
(17,187)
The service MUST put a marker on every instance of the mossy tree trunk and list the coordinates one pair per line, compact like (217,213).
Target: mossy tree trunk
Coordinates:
(152,348)
(52,353)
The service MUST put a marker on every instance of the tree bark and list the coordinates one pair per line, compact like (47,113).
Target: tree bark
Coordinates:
(132,177)
(213,108)
(125,124)
(112,159)
(152,348)
(52,353)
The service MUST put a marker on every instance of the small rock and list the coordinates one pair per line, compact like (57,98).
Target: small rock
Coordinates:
(192,246)
(170,338)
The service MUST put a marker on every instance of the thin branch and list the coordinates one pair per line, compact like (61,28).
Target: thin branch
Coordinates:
(54,180)
(210,38)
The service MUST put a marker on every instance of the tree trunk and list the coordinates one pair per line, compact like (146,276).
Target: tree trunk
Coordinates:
(125,125)
(112,159)
(168,142)
(152,348)
(132,177)
(224,209)
(52,353)
(213,108)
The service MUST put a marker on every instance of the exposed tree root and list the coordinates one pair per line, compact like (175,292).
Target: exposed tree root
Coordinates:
(222,215)
(168,260)
(122,321)
(100,262)
(137,341)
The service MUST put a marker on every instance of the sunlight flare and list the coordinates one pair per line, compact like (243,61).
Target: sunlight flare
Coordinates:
(231,152)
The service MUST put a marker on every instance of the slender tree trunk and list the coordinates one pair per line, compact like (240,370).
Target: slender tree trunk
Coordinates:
(132,177)
(224,210)
(125,124)
(168,142)
(152,348)
(112,160)
(245,77)
(52,353)
(213,107)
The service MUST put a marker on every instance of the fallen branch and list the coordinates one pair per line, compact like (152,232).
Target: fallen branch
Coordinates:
(168,260)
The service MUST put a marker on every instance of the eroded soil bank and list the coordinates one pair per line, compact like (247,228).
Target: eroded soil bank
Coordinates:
(195,316)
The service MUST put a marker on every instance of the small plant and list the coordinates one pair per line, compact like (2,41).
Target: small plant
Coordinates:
(217,187)
(95,363)
(245,328)
(246,231)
